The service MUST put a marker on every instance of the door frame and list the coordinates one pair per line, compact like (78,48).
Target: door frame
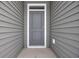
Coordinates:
(36,4)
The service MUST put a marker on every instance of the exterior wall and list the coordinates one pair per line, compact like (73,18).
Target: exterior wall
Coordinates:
(11,28)
(65,28)
(25,20)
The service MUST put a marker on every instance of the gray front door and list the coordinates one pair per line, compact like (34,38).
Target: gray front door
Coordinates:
(36,28)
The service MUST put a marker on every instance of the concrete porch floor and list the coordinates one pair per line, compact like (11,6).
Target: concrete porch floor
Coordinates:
(36,53)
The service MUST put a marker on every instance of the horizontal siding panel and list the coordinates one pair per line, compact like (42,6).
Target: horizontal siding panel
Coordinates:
(10,9)
(7,42)
(67,36)
(9,24)
(13,5)
(8,19)
(69,31)
(63,13)
(10,35)
(66,16)
(73,44)
(66,51)
(10,15)
(65,28)
(10,49)
(11,28)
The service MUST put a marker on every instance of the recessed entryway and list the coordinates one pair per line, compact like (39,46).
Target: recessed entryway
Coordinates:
(36,25)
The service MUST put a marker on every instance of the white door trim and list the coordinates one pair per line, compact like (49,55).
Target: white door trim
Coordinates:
(36,4)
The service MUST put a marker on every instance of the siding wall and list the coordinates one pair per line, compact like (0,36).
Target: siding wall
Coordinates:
(11,28)
(25,20)
(65,28)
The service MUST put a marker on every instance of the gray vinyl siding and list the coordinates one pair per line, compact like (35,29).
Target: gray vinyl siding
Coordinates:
(48,20)
(11,28)
(65,28)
